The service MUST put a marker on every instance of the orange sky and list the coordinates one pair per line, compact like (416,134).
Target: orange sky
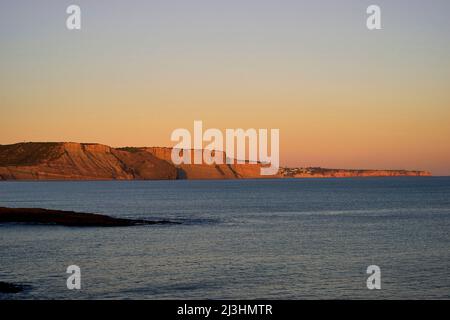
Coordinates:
(342,96)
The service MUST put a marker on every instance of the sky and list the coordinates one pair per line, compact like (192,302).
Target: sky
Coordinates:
(342,96)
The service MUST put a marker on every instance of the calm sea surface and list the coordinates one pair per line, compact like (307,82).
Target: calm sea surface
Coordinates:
(274,239)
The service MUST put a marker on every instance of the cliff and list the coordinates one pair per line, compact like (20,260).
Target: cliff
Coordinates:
(90,161)
(204,171)
(316,172)
(79,161)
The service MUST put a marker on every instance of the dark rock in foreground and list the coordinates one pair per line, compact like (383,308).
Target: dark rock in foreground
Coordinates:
(6,287)
(67,218)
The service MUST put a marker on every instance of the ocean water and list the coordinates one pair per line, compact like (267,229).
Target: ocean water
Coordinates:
(243,239)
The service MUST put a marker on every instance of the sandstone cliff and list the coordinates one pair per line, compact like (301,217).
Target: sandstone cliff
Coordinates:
(79,161)
(90,161)
(204,171)
(316,172)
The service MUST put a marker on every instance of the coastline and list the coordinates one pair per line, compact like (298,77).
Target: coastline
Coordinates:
(69,161)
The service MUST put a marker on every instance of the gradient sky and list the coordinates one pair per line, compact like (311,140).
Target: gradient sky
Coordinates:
(341,95)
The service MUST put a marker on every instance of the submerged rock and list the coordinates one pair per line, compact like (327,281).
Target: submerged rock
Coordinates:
(6,287)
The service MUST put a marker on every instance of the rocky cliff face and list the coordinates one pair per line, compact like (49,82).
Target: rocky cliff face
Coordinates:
(204,171)
(344,173)
(85,161)
(89,161)
(79,161)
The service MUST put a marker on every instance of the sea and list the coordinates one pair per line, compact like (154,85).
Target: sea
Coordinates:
(237,239)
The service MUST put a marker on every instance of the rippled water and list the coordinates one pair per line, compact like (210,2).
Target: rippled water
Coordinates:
(275,239)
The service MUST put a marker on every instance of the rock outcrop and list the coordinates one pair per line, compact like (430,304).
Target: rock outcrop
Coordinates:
(68,218)
(6,287)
